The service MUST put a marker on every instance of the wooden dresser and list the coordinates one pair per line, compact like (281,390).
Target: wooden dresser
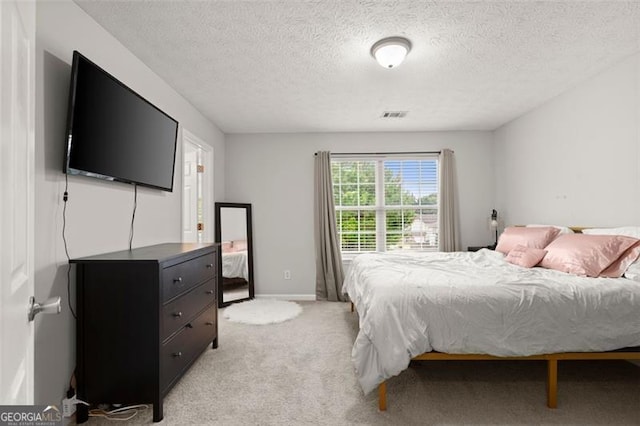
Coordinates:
(144,316)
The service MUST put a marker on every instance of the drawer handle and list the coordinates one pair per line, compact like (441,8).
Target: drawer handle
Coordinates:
(209,323)
(177,354)
(177,314)
(209,292)
(177,280)
(209,265)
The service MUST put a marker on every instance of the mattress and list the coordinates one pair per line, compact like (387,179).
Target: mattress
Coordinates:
(477,303)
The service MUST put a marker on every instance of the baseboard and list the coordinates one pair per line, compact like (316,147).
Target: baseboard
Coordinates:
(299,297)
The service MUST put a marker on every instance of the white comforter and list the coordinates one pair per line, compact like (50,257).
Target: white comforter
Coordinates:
(478,303)
(235,265)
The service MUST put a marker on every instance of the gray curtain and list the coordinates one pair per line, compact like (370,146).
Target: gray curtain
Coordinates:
(329,273)
(448,219)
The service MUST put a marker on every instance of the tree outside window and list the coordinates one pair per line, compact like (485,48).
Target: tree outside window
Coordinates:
(386,204)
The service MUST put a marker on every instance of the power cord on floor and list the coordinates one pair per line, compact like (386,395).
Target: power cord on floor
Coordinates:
(119,414)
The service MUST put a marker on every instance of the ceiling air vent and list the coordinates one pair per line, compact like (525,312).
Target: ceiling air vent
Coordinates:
(394,114)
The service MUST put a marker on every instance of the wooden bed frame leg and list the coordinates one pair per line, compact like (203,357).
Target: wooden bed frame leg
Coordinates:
(382,396)
(351,306)
(552,383)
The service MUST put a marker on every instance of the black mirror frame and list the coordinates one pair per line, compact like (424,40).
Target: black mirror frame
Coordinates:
(218,239)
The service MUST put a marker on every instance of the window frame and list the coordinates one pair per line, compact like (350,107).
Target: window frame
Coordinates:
(380,207)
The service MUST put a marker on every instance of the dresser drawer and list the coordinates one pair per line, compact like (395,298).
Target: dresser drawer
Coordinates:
(180,351)
(180,311)
(179,278)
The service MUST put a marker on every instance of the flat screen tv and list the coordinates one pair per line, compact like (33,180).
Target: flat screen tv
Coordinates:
(115,134)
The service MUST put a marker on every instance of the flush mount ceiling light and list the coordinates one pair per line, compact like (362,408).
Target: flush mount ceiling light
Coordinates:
(391,51)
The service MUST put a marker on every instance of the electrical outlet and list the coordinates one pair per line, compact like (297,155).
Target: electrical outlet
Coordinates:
(287,274)
(69,406)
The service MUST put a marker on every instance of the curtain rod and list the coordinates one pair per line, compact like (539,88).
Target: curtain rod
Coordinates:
(384,153)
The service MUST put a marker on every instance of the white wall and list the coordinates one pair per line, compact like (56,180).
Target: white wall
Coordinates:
(274,172)
(576,159)
(233,223)
(98,213)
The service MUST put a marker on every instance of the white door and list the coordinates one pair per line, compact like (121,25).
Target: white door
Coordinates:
(190,193)
(197,189)
(17,108)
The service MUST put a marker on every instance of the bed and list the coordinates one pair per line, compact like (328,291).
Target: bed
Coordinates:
(477,306)
(235,265)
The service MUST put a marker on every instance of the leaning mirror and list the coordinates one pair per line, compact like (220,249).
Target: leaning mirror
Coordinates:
(235,264)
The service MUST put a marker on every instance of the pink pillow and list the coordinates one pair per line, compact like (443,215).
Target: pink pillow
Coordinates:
(537,237)
(239,245)
(619,267)
(586,255)
(527,257)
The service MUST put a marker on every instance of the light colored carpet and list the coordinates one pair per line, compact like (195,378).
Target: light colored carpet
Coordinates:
(299,372)
(262,311)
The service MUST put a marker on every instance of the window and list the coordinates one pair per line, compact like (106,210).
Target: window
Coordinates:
(386,203)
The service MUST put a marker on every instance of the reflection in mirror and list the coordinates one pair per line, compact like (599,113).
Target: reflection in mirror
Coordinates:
(233,232)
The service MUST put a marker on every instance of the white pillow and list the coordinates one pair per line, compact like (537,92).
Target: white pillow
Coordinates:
(627,231)
(633,271)
(563,229)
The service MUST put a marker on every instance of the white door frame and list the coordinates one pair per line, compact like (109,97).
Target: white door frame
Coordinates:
(17,176)
(207,181)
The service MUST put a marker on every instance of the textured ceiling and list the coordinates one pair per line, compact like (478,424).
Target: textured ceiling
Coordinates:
(305,66)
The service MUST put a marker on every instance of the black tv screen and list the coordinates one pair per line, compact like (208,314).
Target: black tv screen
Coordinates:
(115,134)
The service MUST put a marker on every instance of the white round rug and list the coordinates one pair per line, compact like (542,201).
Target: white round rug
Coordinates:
(262,311)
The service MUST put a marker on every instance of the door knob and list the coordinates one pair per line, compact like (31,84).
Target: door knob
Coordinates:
(49,306)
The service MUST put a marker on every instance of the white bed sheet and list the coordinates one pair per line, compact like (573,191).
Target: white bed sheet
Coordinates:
(478,303)
(235,265)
